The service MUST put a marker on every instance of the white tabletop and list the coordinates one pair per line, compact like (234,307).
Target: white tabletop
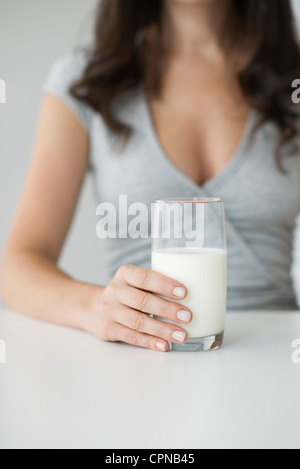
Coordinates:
(64,389)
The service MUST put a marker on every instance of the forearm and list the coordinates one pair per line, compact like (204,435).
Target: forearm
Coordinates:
(33,285)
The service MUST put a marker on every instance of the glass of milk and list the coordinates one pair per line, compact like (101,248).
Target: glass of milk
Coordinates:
(189,245)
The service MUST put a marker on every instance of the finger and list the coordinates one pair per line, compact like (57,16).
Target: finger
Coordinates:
(141,322)
(152,304)
(149,280)
(138,339)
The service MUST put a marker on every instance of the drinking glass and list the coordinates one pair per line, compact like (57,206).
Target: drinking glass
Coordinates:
(189,245)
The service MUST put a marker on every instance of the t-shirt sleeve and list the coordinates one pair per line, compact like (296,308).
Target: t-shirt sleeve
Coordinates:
(62,75)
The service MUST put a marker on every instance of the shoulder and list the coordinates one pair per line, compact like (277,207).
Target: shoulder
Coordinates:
(69,67)
(63,73)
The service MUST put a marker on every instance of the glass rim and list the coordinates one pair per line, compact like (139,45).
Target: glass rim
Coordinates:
(190,200)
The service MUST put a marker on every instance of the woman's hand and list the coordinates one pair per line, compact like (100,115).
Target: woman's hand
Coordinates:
(121,311)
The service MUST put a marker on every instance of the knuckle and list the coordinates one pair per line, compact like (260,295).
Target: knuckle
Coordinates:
(143,276)
(133,338)
(164,308)
(165,330)
(137,322)
(123,271)
(141,301)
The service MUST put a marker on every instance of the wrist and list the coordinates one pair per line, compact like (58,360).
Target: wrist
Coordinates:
(91,297)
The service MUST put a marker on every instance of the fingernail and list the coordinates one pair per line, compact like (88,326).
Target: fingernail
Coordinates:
(161,346)
(184,316)
(179,292)
(179,336)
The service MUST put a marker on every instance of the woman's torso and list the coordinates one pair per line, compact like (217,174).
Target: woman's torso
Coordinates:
(261,203)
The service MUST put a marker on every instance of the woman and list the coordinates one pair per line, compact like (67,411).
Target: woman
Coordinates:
(198,94)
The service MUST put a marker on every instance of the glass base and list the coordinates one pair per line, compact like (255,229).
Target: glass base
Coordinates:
(203,344)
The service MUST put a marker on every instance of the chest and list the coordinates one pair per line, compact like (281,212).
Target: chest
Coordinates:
(200,119)
(254,190)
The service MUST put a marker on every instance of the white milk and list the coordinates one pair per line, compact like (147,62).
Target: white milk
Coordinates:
(204,273)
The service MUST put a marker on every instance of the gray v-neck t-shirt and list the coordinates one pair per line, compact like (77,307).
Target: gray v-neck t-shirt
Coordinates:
(261,203)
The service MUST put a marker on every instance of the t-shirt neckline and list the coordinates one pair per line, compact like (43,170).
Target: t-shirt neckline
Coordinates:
(221,177)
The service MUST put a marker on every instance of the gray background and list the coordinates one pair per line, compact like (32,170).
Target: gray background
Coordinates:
(33,34)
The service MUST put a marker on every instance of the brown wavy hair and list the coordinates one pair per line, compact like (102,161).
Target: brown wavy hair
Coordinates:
(118,64)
